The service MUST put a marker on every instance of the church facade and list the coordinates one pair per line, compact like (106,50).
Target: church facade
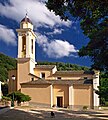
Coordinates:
(44,84)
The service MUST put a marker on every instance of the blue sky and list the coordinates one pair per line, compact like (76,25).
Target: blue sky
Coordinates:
(57,41)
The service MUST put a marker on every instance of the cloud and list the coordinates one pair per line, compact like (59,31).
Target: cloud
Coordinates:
(42,40)
(56,48)
(59,48)
(38,13)
(41,17)
(56,31)
(7,35)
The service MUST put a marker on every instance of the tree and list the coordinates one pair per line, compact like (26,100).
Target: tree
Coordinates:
(93,17)
(6,63)
(65,66)
(4,88)
(19,97)
(103,88)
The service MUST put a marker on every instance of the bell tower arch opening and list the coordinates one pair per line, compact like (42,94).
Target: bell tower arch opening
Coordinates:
(23,46)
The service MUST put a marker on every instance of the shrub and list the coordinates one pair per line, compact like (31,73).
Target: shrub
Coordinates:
(19,97)
(6,101)
(85,107)
(4,98)
(106,103)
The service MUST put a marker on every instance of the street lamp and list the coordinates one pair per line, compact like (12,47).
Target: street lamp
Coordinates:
(13,78)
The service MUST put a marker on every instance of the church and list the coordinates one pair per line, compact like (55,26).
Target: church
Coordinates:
(44,84)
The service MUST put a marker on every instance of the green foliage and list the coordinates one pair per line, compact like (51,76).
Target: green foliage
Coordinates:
(65,66)
(93,17)
(19,97)
(4,88)
(103,88)
(106,103)
(6,63)
(85,107)
(4,98)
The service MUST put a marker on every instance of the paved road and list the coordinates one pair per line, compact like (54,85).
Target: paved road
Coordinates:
(3,107)
(15,114)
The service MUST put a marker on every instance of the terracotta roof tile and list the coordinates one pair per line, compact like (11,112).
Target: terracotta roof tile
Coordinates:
(39,81)
(44,66)
(73,72)
(60,82)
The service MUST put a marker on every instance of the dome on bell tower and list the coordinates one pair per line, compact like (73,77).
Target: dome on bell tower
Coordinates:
(26,23)
(26,19)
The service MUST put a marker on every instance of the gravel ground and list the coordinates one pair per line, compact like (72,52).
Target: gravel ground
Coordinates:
(44,114)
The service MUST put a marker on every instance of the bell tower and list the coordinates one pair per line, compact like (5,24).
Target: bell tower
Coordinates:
(26,39)
(26,50)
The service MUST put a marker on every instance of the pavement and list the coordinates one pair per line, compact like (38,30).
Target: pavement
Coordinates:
(45,114)
(4,109)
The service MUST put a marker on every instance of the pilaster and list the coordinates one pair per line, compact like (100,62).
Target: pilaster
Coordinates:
(71,96)
(51,95)
(95,87)
(19,45)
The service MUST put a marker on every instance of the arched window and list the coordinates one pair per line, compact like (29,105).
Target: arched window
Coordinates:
(24,46)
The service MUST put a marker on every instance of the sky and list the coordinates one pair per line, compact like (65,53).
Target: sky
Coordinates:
(57,40)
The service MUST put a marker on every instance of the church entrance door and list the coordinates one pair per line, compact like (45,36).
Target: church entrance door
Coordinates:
(59,101)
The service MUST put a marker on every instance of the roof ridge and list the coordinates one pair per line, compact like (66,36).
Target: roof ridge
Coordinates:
(71,71)
(45,65)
